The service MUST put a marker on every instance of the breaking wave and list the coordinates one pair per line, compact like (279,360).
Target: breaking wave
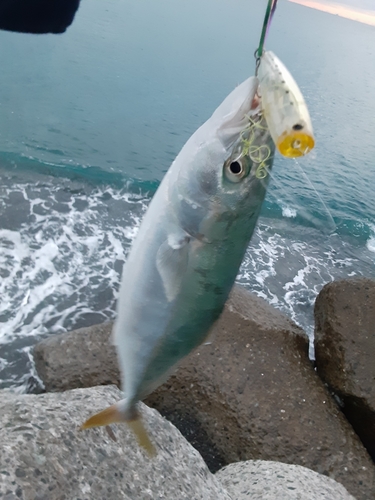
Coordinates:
(64,239)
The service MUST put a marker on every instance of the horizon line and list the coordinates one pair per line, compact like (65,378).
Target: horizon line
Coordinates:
(352,13)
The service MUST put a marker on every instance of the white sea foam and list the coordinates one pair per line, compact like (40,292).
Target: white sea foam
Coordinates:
(289,212)
(60,266)
(288,269)
(371,241)
(54,266)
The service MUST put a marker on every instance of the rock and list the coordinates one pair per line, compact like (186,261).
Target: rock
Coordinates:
(43,456)
(345,350)
(253,390)
(82,358)
(250,392)
(261,480)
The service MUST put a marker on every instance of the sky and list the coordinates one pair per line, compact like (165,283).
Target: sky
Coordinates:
(357,10)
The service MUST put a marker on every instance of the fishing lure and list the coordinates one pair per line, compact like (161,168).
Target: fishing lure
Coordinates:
(284,108)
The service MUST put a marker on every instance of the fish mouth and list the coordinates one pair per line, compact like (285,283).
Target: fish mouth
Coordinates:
(256,102)
(231,116)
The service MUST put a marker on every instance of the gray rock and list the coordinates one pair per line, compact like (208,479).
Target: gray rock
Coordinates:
(82,358)
(261,480)
(43,456)
(254,393)
(249,392)
(345,350)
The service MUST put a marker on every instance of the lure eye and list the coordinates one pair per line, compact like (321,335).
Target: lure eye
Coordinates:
(235,170)
(297,126)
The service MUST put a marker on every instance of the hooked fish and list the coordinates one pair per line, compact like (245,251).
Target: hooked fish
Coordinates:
(188,250)
(284,108)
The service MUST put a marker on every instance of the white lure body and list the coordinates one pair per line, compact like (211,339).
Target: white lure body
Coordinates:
(284,108)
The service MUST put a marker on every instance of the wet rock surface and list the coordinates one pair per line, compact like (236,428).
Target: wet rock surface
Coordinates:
(267,480)
(345,350)
(250,392)
(43,455)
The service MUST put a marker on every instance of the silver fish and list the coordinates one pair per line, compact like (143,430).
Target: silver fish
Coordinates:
(188,250)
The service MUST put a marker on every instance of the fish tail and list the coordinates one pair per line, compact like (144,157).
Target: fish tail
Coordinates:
(141,434)
(114,415)
(111,415)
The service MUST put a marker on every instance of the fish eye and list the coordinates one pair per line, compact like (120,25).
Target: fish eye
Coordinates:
(235,167)
(234,170)
(297,126)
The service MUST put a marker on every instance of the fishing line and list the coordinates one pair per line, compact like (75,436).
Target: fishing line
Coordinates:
(271,7)
(317,194)
(302,211)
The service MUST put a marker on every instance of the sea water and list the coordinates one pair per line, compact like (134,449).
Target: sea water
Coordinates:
(91,120)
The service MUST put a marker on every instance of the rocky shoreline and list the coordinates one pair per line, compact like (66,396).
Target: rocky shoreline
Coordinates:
(249,400)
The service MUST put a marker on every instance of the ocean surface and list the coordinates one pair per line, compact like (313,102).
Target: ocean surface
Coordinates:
(91,120)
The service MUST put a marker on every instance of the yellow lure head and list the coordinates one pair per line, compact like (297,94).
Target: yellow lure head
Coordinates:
(294,144)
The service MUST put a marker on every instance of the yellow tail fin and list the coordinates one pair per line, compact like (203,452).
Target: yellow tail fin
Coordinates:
(142,437)
(112,415)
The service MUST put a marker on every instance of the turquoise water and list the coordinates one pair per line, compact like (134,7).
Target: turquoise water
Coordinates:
(91,120)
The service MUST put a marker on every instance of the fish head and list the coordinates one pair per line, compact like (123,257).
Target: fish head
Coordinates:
(238,152)
(222,171)
(231,117)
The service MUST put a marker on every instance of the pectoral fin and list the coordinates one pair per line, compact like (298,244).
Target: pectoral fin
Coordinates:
(171,262)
